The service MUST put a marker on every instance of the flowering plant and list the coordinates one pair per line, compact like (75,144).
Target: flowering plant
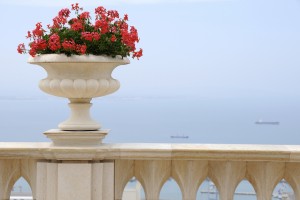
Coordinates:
(109,35)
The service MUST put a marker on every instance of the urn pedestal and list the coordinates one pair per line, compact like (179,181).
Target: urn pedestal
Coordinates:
(78,78)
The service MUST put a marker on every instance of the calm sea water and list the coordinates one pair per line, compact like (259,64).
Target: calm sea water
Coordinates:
(156,119)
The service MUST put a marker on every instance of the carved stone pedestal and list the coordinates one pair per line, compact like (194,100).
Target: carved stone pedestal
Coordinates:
(70,180)
(76,138)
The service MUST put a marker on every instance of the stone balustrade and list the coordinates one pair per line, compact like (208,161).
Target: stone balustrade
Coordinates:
(101,173)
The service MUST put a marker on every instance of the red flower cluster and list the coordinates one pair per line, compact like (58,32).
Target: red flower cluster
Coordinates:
(76,7)
(138,54)
(38,44)
(38,31)
(21,48)
(54,42)
(84,16)
(69,45)
(113,38)
(81,49)
(77,25)
(109,35)
(90,36)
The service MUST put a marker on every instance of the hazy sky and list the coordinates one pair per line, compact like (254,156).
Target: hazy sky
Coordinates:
(210,48)
(221,49)
(237,58)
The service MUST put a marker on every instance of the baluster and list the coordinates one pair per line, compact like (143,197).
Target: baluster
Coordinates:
(264,176)
(152,175)
(124,171)
(10,173)
(292,176)
(227,175)
(28,171)
(189,175)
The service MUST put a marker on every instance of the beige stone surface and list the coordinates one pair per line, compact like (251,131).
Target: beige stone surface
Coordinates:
(41,186)
(10,173)
(29,172)
(152,175)
(13,169)
(71,180)
(124,171)
(55,172)
(97,181)
(76,138)
(264,176)
(103,181)
(74,181)
(78,78)
(142,151)
(292,176)
(107,181)
(189,174)
(226,175)
(47,175)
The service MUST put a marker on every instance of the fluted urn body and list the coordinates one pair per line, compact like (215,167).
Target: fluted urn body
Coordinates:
(78,78)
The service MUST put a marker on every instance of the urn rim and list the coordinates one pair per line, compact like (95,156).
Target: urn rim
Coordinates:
(61,58)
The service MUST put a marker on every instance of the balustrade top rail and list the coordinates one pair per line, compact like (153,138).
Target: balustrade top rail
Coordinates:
(157,151)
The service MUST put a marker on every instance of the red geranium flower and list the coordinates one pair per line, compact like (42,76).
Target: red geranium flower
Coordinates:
(138,54)
(113,38)
(38,31)
(79,35)
(21,48)
(81,49)
(69,45)
(84,15)
(126,17)
(54,42)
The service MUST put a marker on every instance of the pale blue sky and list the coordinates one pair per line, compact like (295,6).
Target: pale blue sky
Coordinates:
(245,51)
(218,64)
(243,54)
(210,48)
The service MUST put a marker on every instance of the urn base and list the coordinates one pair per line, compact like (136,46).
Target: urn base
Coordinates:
(76,138)
(80,119)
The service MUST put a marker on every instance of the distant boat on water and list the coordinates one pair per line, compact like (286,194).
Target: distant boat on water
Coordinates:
(179,137)
(261,122)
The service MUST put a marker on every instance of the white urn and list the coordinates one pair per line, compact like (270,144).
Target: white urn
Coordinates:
(78,78)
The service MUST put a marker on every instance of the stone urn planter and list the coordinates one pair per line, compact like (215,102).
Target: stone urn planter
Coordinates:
(78,78)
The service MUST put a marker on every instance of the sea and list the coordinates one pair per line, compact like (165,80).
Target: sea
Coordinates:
(164,119)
